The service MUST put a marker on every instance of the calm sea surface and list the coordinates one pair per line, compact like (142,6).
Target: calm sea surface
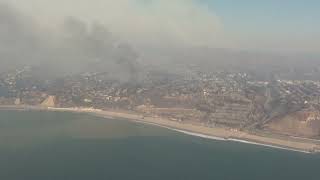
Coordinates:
(66,146)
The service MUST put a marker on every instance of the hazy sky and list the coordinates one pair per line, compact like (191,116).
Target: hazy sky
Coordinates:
(294,24)
(280,25)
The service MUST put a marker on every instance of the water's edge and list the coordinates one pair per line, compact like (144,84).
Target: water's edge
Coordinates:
(221,139)
(187,132)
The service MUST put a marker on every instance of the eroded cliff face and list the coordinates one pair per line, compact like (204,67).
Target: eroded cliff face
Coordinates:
(302,123)
(232,111)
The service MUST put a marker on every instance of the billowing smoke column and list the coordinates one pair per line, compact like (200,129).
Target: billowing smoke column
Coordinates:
(75,48)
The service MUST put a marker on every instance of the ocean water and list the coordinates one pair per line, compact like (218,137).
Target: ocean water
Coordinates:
(67,146)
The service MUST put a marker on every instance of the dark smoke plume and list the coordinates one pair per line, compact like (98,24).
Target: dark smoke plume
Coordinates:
(76,47)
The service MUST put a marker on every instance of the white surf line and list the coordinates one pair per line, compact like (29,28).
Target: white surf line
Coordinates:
(194,134)
(222,139)
(267,145)
(182,131)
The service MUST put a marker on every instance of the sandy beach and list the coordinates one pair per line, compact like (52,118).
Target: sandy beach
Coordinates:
(191,129)
(215,133)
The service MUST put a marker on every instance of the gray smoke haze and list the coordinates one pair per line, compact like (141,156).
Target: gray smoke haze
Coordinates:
(72,48)
(77,46)
(19,40)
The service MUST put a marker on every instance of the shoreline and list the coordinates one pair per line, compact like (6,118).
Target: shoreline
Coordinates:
(200,135)
(213,133)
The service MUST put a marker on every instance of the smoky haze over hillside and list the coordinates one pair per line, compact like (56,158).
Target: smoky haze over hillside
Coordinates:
(76,46)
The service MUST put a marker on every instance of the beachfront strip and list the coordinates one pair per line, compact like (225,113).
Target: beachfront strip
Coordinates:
(215,133)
